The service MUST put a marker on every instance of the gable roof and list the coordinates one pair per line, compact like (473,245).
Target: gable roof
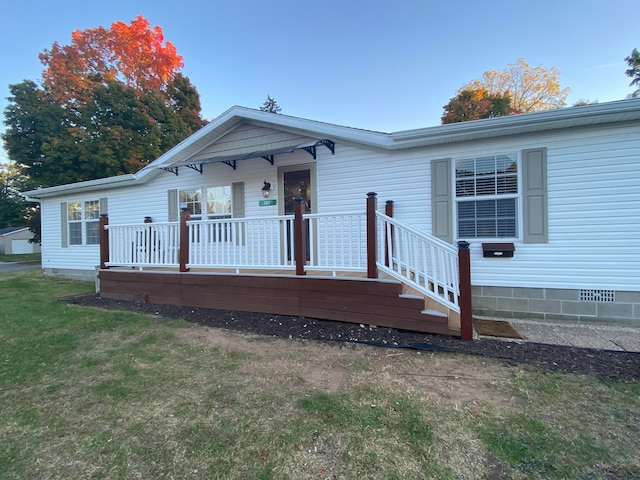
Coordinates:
(9,230)
(597,114)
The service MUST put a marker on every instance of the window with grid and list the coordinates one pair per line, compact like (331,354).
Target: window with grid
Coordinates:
(487,196)
(218,204)
(83,222)
(192,199)
(215,204)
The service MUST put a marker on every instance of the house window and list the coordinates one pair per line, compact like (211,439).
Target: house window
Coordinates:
(83,222)
(192,199)
(487,196)
(216,202)
(219,202)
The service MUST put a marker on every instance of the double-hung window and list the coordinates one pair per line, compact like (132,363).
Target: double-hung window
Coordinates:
(487,196)
(218,202)
(210,203)
(83,222)
(192,199)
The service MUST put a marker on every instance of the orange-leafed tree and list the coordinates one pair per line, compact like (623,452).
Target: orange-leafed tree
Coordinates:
(109,103)
(135,54)
(475,105)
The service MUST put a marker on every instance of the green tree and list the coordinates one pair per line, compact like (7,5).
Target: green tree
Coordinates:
(633,61)
(475,105)
(531,89)
(90,121)
(270,105)
(13,208)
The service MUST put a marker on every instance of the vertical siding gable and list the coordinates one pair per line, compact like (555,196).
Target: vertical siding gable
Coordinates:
(247,139)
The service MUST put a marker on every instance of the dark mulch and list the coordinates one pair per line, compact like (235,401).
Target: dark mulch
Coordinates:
(604,364)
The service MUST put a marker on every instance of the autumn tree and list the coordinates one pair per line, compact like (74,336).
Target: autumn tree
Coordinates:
(531,89)
(134,54)
(270,105)
(109,103)
(475,105)
(633,61)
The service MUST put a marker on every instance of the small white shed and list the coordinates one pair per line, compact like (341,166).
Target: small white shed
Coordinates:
(15,240)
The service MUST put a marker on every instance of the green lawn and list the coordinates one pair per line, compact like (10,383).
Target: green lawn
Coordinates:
(86,393)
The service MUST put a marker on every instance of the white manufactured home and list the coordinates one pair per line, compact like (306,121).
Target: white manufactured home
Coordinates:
(549,203)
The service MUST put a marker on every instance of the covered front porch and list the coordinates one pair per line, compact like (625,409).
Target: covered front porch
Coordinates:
(361,267)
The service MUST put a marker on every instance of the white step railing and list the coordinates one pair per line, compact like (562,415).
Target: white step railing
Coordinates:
(423,262)
(144,245)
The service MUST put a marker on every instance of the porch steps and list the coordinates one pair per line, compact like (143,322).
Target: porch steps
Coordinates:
(379,302)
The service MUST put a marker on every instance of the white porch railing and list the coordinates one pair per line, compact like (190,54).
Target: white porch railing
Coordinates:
(421,261)
(333,242)
(241,243)
(144,245)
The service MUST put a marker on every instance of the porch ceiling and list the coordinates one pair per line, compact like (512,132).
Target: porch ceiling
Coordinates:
(268,155)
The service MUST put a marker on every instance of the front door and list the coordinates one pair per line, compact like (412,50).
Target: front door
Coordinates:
(298,182)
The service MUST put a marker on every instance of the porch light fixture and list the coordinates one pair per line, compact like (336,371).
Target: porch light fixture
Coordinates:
(266,189)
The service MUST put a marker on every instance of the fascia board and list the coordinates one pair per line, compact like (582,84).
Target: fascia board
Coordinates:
(625,110)
(109,182)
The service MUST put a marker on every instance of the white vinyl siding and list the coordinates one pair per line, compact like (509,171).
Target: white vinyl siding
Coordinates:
(592,194)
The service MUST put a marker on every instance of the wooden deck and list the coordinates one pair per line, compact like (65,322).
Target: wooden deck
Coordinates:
(344,297)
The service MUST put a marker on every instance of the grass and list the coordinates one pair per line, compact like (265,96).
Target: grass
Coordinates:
(86,393)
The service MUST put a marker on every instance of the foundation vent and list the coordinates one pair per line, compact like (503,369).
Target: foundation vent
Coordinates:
(608,296)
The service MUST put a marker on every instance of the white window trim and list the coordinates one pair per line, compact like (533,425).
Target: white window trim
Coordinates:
(518,196)
(203,202)
(82,222)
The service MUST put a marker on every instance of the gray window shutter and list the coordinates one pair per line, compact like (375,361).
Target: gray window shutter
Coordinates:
(103,206)
(441,200)
(63,225)
(534,194)
(172,201)
(237,199)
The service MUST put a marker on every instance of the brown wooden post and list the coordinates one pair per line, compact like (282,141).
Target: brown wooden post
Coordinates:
(104,240)
(299,236)
(185,216)
(464,269)
(388,211)
(372,244)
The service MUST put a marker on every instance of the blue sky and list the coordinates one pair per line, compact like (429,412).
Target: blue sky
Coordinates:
(377,65)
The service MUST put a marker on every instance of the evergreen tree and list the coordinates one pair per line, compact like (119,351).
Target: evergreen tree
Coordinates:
(633,61)
(270,105)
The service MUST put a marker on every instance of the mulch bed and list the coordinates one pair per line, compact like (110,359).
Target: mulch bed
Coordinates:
(603,364)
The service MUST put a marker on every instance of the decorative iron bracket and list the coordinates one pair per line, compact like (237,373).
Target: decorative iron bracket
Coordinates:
(330,145)
(311,149)
(170,170)
(197,167)
(231,163)
(269,158)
